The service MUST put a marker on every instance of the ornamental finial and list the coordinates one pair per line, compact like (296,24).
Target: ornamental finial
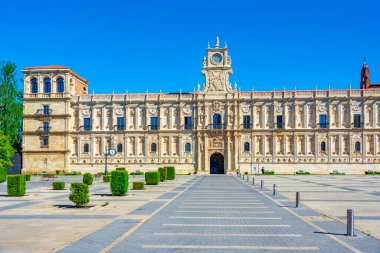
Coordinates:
(217,42)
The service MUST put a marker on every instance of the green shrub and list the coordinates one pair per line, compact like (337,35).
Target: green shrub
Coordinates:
(79,194)
(121,168)
(27,177)
(370,172)
(338,173)
(58,185)
(163,173)
(57,172)
(88,179)
(106,179)
(189,173)
(245,172)
(16,185)
(3,175)
(152,177)
(138,186)
(302,173)
(268,172)
(137,173)
(119,182)
(170,173)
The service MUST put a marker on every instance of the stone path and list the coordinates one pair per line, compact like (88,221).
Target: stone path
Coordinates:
(218,213)
(225,214)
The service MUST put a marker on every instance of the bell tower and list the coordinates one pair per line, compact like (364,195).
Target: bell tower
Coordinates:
(217,69)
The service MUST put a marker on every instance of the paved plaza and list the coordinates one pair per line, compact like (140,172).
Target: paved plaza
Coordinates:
(220,213)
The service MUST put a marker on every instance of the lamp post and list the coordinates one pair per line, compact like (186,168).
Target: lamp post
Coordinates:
(110,152)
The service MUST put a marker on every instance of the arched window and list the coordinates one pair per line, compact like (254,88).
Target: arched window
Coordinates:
(188,147)
(60,85)
(153,147)
(86,148)
(357,146)
(246,146)
(323,146)
(119,148)
(217,121)
(34,85)
(47,85)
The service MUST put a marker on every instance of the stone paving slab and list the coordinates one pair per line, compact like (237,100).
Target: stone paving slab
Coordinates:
(97,240)
(177,228)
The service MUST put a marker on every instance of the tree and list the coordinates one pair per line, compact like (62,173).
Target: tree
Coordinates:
(10,104)
(6,151)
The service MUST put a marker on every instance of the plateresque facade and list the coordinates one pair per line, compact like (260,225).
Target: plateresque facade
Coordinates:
(216,129)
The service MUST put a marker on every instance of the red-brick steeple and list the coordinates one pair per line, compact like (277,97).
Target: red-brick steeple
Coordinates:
(364,79)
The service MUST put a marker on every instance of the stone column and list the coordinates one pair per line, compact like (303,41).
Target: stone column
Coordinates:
(137,112)
(338,116)
(228,152)
(374,114)
(170,118)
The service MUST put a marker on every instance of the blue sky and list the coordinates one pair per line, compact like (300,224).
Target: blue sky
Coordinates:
(139,45)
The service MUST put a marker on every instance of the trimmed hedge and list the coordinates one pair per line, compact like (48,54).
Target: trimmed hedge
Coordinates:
(302,173)
(58,185)
(268,172)
(119,182)
(163,173)
(79,194)
(136,173)
(16,185)
(3,175)
(138,186)
(245,172)
(57,172)
(88,179)
(106,179)
(152,177)
(372,172)
(121,168)
(170,173)
(27,177)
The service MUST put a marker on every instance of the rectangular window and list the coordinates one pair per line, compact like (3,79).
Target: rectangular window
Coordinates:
(322,121)
(357,120)
(246,122)
(120,123)
(44,141)
(87,124)
(46,127)
(153,123)
(188,123)
(46,110)
(279,121)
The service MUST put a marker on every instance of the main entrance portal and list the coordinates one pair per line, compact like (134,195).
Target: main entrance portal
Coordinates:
(217,164)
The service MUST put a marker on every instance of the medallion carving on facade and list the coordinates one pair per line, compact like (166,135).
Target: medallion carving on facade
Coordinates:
(216,143)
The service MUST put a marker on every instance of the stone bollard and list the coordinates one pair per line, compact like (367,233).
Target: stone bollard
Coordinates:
(350,223)
(274,190)
(298,200)
(262,184)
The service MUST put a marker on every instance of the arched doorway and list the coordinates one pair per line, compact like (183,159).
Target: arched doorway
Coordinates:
(217,164)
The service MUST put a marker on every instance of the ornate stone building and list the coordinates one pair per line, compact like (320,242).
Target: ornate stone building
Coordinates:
(216,129)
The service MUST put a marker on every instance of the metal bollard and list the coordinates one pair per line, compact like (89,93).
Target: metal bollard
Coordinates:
(298,200)
(274,190)
(253,181)
(262,184)
(350,222)
(243,176)
(247,178)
